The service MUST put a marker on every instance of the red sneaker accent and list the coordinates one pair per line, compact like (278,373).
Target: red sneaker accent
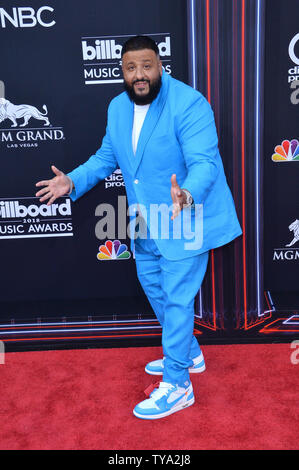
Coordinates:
(151,388)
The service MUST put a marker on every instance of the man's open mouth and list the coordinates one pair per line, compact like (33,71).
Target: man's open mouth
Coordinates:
(141,84)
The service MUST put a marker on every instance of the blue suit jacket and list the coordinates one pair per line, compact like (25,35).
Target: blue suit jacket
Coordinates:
(178,136)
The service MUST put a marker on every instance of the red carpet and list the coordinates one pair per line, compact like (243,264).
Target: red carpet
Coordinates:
(83,399)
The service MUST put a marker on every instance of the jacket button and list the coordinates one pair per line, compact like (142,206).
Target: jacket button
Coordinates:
(136,181)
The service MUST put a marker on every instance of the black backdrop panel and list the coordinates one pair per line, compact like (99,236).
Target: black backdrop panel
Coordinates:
(48,56)
(281,153)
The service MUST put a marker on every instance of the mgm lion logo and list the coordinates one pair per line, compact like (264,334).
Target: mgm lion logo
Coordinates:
(294,227)
(13,112)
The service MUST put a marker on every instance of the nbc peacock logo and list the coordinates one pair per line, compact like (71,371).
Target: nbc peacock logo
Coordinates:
(113,250)
(288,151)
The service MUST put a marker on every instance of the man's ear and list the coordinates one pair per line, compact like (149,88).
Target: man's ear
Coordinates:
(160,67)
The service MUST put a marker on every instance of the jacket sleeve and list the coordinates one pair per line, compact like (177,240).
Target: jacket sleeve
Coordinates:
(199,143)
(96,168)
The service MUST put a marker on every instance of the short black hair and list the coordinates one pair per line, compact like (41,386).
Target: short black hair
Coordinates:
(136,43)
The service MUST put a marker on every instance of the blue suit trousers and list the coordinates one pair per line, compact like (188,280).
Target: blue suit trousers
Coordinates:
(171,287)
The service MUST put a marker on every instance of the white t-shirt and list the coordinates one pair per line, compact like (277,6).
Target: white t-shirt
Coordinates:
(139,116)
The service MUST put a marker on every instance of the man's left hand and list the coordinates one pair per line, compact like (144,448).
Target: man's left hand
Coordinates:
(178,197)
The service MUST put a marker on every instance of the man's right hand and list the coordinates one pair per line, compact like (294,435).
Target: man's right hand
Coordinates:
(55,187)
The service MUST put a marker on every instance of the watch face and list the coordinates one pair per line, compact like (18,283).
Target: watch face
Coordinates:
(189,198)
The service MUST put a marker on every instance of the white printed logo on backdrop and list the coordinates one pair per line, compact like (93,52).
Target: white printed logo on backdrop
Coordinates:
(290,252)
(24,125)
(26,17)
(293,72)
(102,57)
(115,180)
(27,217)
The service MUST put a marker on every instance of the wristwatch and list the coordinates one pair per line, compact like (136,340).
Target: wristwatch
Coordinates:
(189,198)
(71,185)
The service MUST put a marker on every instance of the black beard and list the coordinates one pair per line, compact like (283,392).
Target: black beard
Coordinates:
(154,89)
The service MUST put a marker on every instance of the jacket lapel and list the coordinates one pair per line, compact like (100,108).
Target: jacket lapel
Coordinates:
(150,122)
(127,128)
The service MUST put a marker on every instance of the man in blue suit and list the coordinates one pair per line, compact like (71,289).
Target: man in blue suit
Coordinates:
(162,135)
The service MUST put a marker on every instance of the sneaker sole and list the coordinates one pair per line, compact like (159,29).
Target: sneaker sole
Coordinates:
(166,413)
(192,370)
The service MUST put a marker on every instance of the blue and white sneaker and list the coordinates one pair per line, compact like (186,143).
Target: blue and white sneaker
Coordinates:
(157,367)
(164,401)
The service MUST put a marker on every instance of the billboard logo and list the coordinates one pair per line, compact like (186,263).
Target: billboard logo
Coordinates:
(26,17)
(28,218)
(113,251)
(101,50)
(288,151)
(102,57)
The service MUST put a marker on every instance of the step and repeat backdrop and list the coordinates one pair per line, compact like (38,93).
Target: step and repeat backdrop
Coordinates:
(60,67)
(246,63)
(281,163)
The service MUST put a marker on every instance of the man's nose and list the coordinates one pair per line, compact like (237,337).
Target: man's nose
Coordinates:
(139,73)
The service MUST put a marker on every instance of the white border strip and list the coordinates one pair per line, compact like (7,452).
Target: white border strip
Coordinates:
(76,330)
(37,236)
(290,322)
(194,81)
(257,157)
(124,35)
(62,323)
(193,47)
(100,82)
